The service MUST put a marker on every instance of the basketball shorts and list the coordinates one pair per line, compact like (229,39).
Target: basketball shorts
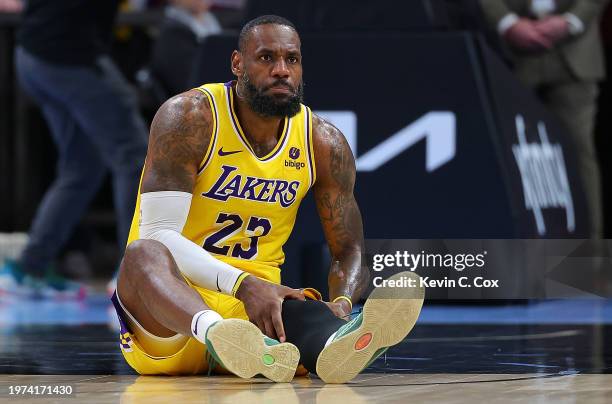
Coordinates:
(149,354)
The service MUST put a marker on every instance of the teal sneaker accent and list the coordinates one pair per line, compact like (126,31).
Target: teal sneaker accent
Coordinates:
(58,282)
(349,327)
(270,341)
(211,350)
(13,269)
(212,363)
(55,286)
(376,356)
(14,281)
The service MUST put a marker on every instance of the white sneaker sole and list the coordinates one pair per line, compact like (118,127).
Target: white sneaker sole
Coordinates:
(241,347)
(389,315)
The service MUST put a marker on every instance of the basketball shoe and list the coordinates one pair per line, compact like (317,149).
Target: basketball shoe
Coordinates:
(387,317)
(240,347)
(15,282)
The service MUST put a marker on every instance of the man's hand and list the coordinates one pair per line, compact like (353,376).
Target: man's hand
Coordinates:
(554,28)
(524,35)
(11,6)
(340,309)
(263,304)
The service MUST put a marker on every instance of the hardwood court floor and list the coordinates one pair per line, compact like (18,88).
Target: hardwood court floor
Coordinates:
(367,388)
(549,352)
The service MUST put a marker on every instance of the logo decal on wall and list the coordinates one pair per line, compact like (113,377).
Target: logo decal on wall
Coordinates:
(544,176)
(438,128)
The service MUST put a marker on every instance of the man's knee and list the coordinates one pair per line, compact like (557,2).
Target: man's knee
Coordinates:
(142,271)
(143,258)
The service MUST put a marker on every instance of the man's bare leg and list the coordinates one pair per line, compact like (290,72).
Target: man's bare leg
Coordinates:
(152,289)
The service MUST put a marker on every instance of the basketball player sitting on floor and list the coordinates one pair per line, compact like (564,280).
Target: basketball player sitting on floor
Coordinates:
(227,166)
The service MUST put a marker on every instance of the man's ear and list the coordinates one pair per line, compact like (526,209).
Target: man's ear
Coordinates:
(236,61)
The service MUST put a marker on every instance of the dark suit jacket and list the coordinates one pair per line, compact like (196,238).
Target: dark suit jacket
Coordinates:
(173,57)
(582,53)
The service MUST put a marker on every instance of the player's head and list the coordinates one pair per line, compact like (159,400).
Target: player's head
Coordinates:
(268,65)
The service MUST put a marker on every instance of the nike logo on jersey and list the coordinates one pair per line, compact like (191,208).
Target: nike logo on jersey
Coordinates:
(218,288)
(227,153)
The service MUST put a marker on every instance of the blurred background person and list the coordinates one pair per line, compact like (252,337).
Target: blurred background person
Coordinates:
(556,50)
(62,64)
(11,6)
(185,25)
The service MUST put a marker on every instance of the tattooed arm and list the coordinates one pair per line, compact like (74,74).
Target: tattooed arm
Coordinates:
(339,213)
(180,134)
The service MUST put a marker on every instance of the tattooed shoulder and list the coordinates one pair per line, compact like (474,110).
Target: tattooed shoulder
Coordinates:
(333,156)
(180,135)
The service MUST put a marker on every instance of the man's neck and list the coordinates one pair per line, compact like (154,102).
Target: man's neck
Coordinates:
(261,132)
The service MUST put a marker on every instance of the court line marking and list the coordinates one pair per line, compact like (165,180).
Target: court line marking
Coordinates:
(544,376)
(556,334)
(533,365)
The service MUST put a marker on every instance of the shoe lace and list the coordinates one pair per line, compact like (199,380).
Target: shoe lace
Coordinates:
(354,313)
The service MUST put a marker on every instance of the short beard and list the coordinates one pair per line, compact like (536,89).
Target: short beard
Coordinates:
(269,106)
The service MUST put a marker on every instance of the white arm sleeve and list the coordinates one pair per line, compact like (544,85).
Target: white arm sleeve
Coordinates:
(163,215)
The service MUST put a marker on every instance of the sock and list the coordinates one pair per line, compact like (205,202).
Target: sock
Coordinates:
(201,322)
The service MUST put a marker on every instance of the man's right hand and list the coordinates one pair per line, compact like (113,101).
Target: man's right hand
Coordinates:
(524,35)
(263,304)
(554,27)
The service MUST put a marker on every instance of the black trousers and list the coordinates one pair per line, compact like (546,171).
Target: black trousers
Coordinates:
(308,326)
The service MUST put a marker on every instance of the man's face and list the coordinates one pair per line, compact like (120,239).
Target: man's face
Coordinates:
(270,77)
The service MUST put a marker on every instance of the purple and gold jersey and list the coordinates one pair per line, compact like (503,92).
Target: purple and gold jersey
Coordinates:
(244,207)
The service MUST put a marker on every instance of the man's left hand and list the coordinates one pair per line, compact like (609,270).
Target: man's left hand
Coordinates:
(555,28)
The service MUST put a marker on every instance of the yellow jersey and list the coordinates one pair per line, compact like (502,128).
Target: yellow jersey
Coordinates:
(244,207)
